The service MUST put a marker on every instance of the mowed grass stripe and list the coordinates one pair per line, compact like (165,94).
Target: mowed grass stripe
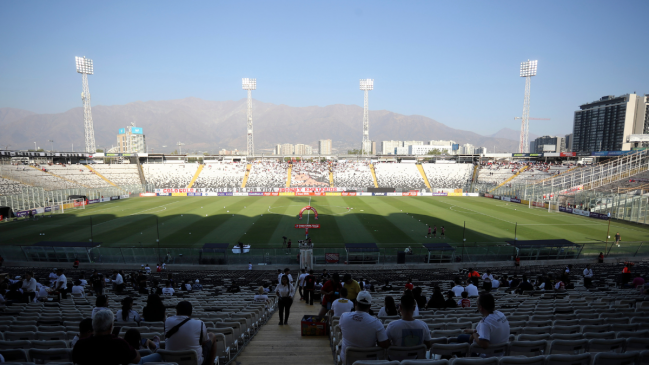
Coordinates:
(375,222)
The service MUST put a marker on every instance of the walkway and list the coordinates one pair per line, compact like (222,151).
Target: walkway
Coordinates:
(275,344)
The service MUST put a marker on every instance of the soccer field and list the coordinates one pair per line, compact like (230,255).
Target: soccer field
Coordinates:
(262,221)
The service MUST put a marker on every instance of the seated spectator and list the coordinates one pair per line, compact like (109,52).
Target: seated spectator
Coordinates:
(409,292)
(524,285)
(154,310)
(492,329)
(133,337)
(638,281)
(472,290)
(560,285)
(465,302)
(331,291)
(187,286)
(147,268)
(342,304)
(29,287)
(407,331)
(450,300)
(437,299)
(168,290)
(409,284)
(61,284)
(352,286)
(419,299)
(540,283)
(261,296)
(101,304)
(197,285)
(389,309)
(43,291)
(184,333)
(360,329)
(487,281)
(85,330)
(457,289)
(127,314)
(78,290)
(13,295)
(495,283)
(387,286)
(104,348)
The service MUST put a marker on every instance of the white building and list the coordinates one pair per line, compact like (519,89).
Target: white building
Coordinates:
(131,140)
(287,149)
(387,147)
(412,143)
(278,149)
(324,146)
(401,151)
(467,149)
(441,142)
(480,151)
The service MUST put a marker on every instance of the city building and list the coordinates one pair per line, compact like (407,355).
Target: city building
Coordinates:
(278,149)
(401,150)
(303,150)
(412,143)
(569,142)
(480,151)
(373,148)
(287,149)
(605,124)
(548,144)
(131,140)
(388,147)
(424,149)
(324,147)
(467,149)
(441,142)
(226,152)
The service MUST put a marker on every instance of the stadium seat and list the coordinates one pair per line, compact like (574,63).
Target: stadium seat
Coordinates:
(406,353)
(520,360)
(581,359)
(610,358)
(353,354)
(186,357)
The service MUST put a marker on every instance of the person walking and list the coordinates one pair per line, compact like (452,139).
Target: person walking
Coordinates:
(285,292)
(309,288)
(588,276)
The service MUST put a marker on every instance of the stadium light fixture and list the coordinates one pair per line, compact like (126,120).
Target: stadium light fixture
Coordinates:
(366,146)
(85,68)
(528,69)
(249,84)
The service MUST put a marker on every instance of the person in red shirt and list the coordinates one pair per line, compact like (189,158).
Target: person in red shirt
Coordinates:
(473,276)
(626,274)
(430,231)
(158,268)
(409,285)
(517,261)
(600,258)
(330,291)
(465,302)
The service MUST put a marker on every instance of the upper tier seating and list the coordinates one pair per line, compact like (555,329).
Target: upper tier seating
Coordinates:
(169,176)
(221,175)
(353,175)
(399,175)
(8,187)
(310,174)
(78,173)
(37,177)
(267,175)
(120,174)
(448,176)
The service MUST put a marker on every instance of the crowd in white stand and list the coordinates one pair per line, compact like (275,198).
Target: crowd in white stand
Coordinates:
(219,175)
(352,174)
(399,175)
(268,174)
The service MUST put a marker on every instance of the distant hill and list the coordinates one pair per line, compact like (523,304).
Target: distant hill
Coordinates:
(211,125)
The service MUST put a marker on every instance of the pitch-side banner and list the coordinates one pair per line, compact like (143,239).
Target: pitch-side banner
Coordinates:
(488,196)
(309,190)
(514,200)
(148,194)
(506,198)
(307,226)
(304,193)
(440,194)
(177,190)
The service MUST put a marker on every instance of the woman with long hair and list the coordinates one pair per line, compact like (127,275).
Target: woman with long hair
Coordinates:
(127,314)
(285,293)
(101,303)
(154,310)
(389,309)
(420,299)
(437,299)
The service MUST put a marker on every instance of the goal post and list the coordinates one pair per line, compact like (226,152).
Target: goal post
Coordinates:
(71,204)
(553,206)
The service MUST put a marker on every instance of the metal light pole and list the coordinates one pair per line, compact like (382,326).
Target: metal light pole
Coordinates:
(85,68)
(35,149)
(528,69)
(51,141)
(249,84)
(366,147)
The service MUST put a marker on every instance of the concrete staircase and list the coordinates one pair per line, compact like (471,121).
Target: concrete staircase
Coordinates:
(100,175)
(423,175)
(376,184)
(246,176)
(198,172)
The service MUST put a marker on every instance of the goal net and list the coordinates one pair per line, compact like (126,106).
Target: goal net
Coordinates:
(71,204)
(553,206)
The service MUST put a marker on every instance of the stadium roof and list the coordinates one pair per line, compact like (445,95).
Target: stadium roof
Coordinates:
(542,243)
(66,244)
(441,246)
(216,247)
(361,247)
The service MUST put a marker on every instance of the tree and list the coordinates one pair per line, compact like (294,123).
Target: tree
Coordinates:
(99,150)
(353,152)
(175,152)
(434,152)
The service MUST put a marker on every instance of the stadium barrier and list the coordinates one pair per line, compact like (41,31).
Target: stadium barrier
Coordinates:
(469,252)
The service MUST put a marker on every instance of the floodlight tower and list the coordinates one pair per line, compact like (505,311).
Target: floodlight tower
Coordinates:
(366,85)
(85,68)
(528,69)
(250,85)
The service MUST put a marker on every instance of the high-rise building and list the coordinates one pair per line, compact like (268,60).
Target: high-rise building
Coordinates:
(308,150)
(388,147)
(412,143)
(303,150)
(548,144)
(480,150)
(440,142)
(278,149)
(324,147)
(374,148)
(131,140)
(569,142)
(605,124)
(467,149)
(287,149)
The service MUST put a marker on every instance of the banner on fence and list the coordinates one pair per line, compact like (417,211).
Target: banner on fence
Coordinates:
(240,194)
(148,194)
(224,193)
(271,194)
(114,198)
(379,194)
(307,226)
(176,190)
(124,196)
(194,194)
(584,213)
(488,195)
(348,194)
(178,194)
(309,190)
(538,204)
(103,200)
(440,194)
(514,200)
(163,194)
(333,194)
(93,201)
(410,194)
(505,198)
(332,258)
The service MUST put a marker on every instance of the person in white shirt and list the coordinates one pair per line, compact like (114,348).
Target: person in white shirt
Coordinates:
(487,281)
(588,276)
(287,272)
(61,284)
(127,314)
(359,329)
(457,289)
(147,269)
(53,277)
(168,290)
(300,283)
(285,292)
(118,281)
(29,286)
(472,290)
(407,331)
(249,265)
(495,283)
(43,291)
(493,329)
(77,289)
(184,333)
(261,297)
(342,304)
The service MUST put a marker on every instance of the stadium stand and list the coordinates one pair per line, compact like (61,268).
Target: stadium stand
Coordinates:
(79,174)
(120,174)
(310,174)
(265,175)
(399,175)
(10,186)
(39,177)
(448,176)
(352,174)
(169,176)
(219,175)
(636,184)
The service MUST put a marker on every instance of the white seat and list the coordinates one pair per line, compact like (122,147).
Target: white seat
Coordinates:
(353,354)
(406,353)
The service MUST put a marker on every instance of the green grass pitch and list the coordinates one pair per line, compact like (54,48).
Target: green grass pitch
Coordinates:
(262,221)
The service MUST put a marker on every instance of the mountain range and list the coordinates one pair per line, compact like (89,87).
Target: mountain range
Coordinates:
(204,125)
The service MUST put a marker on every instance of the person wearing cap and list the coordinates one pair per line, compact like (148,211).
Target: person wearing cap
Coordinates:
(352,286)
(407,331)
(197,285)
(360,329)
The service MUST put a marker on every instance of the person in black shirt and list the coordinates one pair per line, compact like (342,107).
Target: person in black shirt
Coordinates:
(436,300)
(98,283)
(450,300)
(154,310)
(387,286)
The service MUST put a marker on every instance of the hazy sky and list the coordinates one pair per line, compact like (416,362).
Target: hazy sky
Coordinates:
(456,62)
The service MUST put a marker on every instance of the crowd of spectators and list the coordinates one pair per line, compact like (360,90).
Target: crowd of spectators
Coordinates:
(267,174)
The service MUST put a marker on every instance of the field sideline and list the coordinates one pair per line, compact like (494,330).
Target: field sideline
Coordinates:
(262,221)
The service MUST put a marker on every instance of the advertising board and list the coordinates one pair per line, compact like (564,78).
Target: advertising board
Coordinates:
(309,190)
(409,194)
(103,200)
(124,196)
(271,194)
(454,194)
(194,194)
(307,226)
(227,193)
(488,195)
(285,193)
(379,194)
(240,194)
(148,194)
(93,201)
(584,213)
(348,194)
(255,193)
(505,198)
(538,204)
(394,194)
(332,194)
(568,154)
(163,194)
(178,194)
(114,198)
(515,200)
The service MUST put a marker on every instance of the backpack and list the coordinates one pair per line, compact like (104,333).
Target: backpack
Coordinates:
(309,282)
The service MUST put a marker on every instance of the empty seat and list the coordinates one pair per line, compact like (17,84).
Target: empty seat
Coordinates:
(568,347)
(581,359)
(474,361)
(14,336)
(353,354)
(406,353)
(527,348)
(519,360)
(494,350)
(637,344)
(185,357)
(56,344)
(611,358)
(50,355)
(450,350)
(15,355)
(606,345)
